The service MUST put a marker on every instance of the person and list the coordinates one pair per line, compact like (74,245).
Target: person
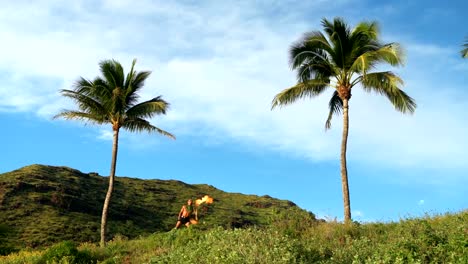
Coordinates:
(185,214)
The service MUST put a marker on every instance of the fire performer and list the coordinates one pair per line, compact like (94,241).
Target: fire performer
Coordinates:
(185,214)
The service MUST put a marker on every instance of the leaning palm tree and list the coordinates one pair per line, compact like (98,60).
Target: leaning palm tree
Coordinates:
(112,99)
(464,51)
(341,59)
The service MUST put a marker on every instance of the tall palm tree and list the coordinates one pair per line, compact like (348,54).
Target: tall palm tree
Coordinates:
(464,52)
(112,99)
(341,59)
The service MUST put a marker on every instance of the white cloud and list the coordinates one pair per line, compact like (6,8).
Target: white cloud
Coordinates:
(421,202)
(357,214)
(220,65)
(105,135)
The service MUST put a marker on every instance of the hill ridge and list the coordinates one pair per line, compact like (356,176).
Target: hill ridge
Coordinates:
(43,204)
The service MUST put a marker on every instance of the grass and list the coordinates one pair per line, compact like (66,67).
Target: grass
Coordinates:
(290,238)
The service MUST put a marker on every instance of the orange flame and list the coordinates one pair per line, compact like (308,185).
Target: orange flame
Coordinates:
(206,199)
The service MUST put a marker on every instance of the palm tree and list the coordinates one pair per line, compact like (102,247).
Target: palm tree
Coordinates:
(464,52)
(112,99)
(340,59)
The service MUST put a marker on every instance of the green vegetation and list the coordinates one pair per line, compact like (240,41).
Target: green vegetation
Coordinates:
(112,99)
(464,52)
(6,247)
(290,238)
(44,205)
(66,252)
(41,205)
(342,58)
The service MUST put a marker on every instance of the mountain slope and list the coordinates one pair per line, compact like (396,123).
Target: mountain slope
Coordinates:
(40,205)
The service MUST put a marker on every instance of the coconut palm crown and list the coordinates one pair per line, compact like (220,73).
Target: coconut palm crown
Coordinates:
(341,59)
(112,99)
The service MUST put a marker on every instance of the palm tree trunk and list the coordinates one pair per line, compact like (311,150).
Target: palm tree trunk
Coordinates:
(105,208)
(344,169)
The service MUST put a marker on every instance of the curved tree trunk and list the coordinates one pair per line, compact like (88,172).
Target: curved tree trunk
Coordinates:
(344,169)
(105,208)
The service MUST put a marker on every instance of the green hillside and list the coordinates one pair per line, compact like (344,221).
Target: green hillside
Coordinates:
(41,205)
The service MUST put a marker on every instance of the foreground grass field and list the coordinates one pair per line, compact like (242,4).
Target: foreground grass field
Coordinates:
(289,238)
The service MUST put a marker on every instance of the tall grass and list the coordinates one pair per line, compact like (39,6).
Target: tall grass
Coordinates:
(288,239)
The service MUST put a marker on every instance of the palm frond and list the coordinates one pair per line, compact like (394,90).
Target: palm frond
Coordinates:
(369,29)
(148,109)
(363,63)
(112,72)
(98,89)
(140,125)
(464,52)
(102,92)
(101,88)
(312,70)
(336,106)
(387,83)
(135,85)
(313,45)
(82,116)
(338,26)
(83,86)
(85,102)
(310,88)
(363,39)
(390,53)
(339,34)
(130,75)
(140,79)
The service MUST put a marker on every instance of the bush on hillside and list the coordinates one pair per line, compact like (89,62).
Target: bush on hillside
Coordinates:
(66,252)
(5,247)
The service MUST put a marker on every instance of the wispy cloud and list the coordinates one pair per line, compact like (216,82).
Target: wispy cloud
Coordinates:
(220,65)
(105,135)
(357,214)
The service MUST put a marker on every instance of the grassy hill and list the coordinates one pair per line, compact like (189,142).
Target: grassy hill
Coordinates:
(41,205)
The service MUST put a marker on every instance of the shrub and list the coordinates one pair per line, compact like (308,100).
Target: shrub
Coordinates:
(5,250)
(5,247)
(66,253)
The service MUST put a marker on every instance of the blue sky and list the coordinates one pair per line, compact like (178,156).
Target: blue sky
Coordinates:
(219,64)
